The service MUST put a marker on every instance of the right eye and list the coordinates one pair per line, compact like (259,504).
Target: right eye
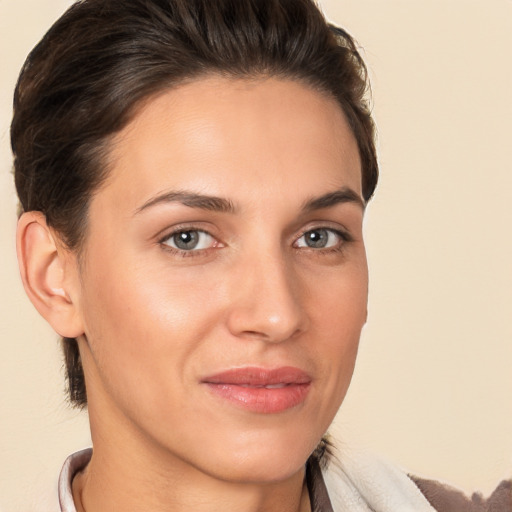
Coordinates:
(190,240)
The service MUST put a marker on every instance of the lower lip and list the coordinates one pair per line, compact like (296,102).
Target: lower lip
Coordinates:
(262,400)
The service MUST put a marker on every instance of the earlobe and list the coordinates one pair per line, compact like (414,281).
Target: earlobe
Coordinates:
(49,274)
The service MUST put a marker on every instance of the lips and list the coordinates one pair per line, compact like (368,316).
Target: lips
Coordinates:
(261,390)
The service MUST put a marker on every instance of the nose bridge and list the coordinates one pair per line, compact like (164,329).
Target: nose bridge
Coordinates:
(268,301)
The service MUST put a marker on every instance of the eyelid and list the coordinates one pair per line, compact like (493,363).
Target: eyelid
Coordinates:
(169,232)
(343,234)
(210,239)
(171,229)
(339,230)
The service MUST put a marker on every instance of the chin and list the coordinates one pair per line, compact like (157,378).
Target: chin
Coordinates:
(264,460)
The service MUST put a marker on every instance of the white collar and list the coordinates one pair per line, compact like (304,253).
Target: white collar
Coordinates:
(364,483)
(73,464)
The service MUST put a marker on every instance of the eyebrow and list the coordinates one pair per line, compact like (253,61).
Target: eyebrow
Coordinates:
(343,195)
(222,205)
(191,199)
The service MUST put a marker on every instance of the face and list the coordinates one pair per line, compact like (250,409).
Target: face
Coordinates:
(224,280)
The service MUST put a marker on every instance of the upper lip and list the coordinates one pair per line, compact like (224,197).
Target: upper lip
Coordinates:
(255,376)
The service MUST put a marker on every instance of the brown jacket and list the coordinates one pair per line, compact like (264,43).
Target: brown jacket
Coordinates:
(448,499)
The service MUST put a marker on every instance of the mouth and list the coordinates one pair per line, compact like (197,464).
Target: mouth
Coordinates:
(261,390)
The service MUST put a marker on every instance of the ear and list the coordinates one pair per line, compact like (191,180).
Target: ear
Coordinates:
(49,273)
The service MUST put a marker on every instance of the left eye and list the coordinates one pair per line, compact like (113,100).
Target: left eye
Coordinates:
(321,238)
(190,240)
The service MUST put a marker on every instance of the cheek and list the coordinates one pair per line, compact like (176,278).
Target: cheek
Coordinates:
(145,322)
(339,300)
(137,297)
(338,313)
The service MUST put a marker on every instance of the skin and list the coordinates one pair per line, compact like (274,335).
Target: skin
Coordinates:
(153,320)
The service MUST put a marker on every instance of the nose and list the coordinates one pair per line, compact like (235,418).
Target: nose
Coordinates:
(267,301)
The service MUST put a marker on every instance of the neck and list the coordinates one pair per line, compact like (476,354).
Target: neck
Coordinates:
(127,485)
(129,473)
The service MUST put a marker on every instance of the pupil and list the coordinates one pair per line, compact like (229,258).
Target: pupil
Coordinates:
(317,238)
(186,239)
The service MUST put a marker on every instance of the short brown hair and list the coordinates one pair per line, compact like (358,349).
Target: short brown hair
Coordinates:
(81,84)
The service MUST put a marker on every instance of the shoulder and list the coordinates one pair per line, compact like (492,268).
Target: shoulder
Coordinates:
(362,483)
(445,498)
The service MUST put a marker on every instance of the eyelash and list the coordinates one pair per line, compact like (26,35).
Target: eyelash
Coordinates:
(183,252)
(344,237)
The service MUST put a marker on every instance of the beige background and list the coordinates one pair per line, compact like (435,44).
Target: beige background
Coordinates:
(432,390)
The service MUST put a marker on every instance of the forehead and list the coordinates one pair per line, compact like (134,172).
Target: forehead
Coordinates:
(235,134)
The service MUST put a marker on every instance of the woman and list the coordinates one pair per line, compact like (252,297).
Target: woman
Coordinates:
(193,177)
